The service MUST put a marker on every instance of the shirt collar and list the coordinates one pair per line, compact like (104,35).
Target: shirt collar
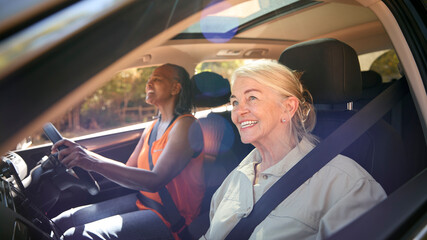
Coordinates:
(283,166)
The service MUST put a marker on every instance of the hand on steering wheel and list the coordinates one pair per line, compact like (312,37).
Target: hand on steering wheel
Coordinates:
(72,155)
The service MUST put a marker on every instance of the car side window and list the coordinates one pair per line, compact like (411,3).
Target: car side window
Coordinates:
(119,103)
(383,62)
(223,68)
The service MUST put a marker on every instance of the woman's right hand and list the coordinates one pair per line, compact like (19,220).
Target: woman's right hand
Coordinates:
(74,155)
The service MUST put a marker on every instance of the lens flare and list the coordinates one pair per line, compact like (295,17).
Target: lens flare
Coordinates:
(217,27)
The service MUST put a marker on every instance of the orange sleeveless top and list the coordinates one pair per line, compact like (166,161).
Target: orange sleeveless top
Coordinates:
(186,189)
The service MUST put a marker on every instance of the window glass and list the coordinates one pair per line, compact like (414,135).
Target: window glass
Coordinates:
(367,59)
(223,68)
(383,62)
(119,103)
(387,65)
(224,18)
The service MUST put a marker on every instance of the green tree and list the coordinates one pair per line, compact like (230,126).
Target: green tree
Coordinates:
(224,68)
(387,65)
(108,106)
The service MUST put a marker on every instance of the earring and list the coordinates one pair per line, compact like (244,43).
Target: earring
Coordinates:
(283,120)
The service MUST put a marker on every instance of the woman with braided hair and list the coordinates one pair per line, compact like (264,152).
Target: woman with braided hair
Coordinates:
(273,112)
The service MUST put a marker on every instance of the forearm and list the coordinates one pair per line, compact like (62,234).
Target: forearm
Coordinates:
(126,176)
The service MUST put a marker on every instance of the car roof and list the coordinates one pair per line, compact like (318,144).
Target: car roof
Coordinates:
(268,35)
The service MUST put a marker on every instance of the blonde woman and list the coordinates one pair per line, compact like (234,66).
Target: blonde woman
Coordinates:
(273,112)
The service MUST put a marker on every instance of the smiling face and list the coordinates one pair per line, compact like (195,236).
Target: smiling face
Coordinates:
(162,87)
(257,112)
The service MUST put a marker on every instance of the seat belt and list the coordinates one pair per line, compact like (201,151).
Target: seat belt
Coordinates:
(324,152)
(168,210)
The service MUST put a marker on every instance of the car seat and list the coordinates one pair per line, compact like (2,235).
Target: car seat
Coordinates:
(372,86)
(402,117)
(331,72)
(223,147)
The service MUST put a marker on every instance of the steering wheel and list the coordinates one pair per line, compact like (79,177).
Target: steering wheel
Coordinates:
(85,179)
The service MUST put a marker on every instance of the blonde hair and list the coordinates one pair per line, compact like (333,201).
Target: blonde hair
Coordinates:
(286,83)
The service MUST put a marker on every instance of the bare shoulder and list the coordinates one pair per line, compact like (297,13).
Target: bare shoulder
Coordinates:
(184,122)
(187,126)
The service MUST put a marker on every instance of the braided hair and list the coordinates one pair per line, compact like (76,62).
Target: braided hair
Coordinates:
(185,103)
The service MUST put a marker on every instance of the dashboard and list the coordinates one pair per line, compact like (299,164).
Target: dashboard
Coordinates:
(17,161)
(20,217)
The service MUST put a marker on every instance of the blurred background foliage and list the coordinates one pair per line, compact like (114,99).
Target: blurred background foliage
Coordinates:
(387,65)
(118,103)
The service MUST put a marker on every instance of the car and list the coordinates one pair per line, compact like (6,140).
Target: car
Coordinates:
(56,55)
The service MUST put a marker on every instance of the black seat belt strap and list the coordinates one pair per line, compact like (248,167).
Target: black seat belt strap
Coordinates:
(325,151)
(168,210)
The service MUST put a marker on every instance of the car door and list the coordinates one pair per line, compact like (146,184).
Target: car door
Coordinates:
(403,214)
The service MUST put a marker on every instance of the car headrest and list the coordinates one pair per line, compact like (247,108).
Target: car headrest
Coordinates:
(210,89)
(370,79)
(330,68)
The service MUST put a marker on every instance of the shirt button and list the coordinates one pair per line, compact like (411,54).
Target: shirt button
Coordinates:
(265,177)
